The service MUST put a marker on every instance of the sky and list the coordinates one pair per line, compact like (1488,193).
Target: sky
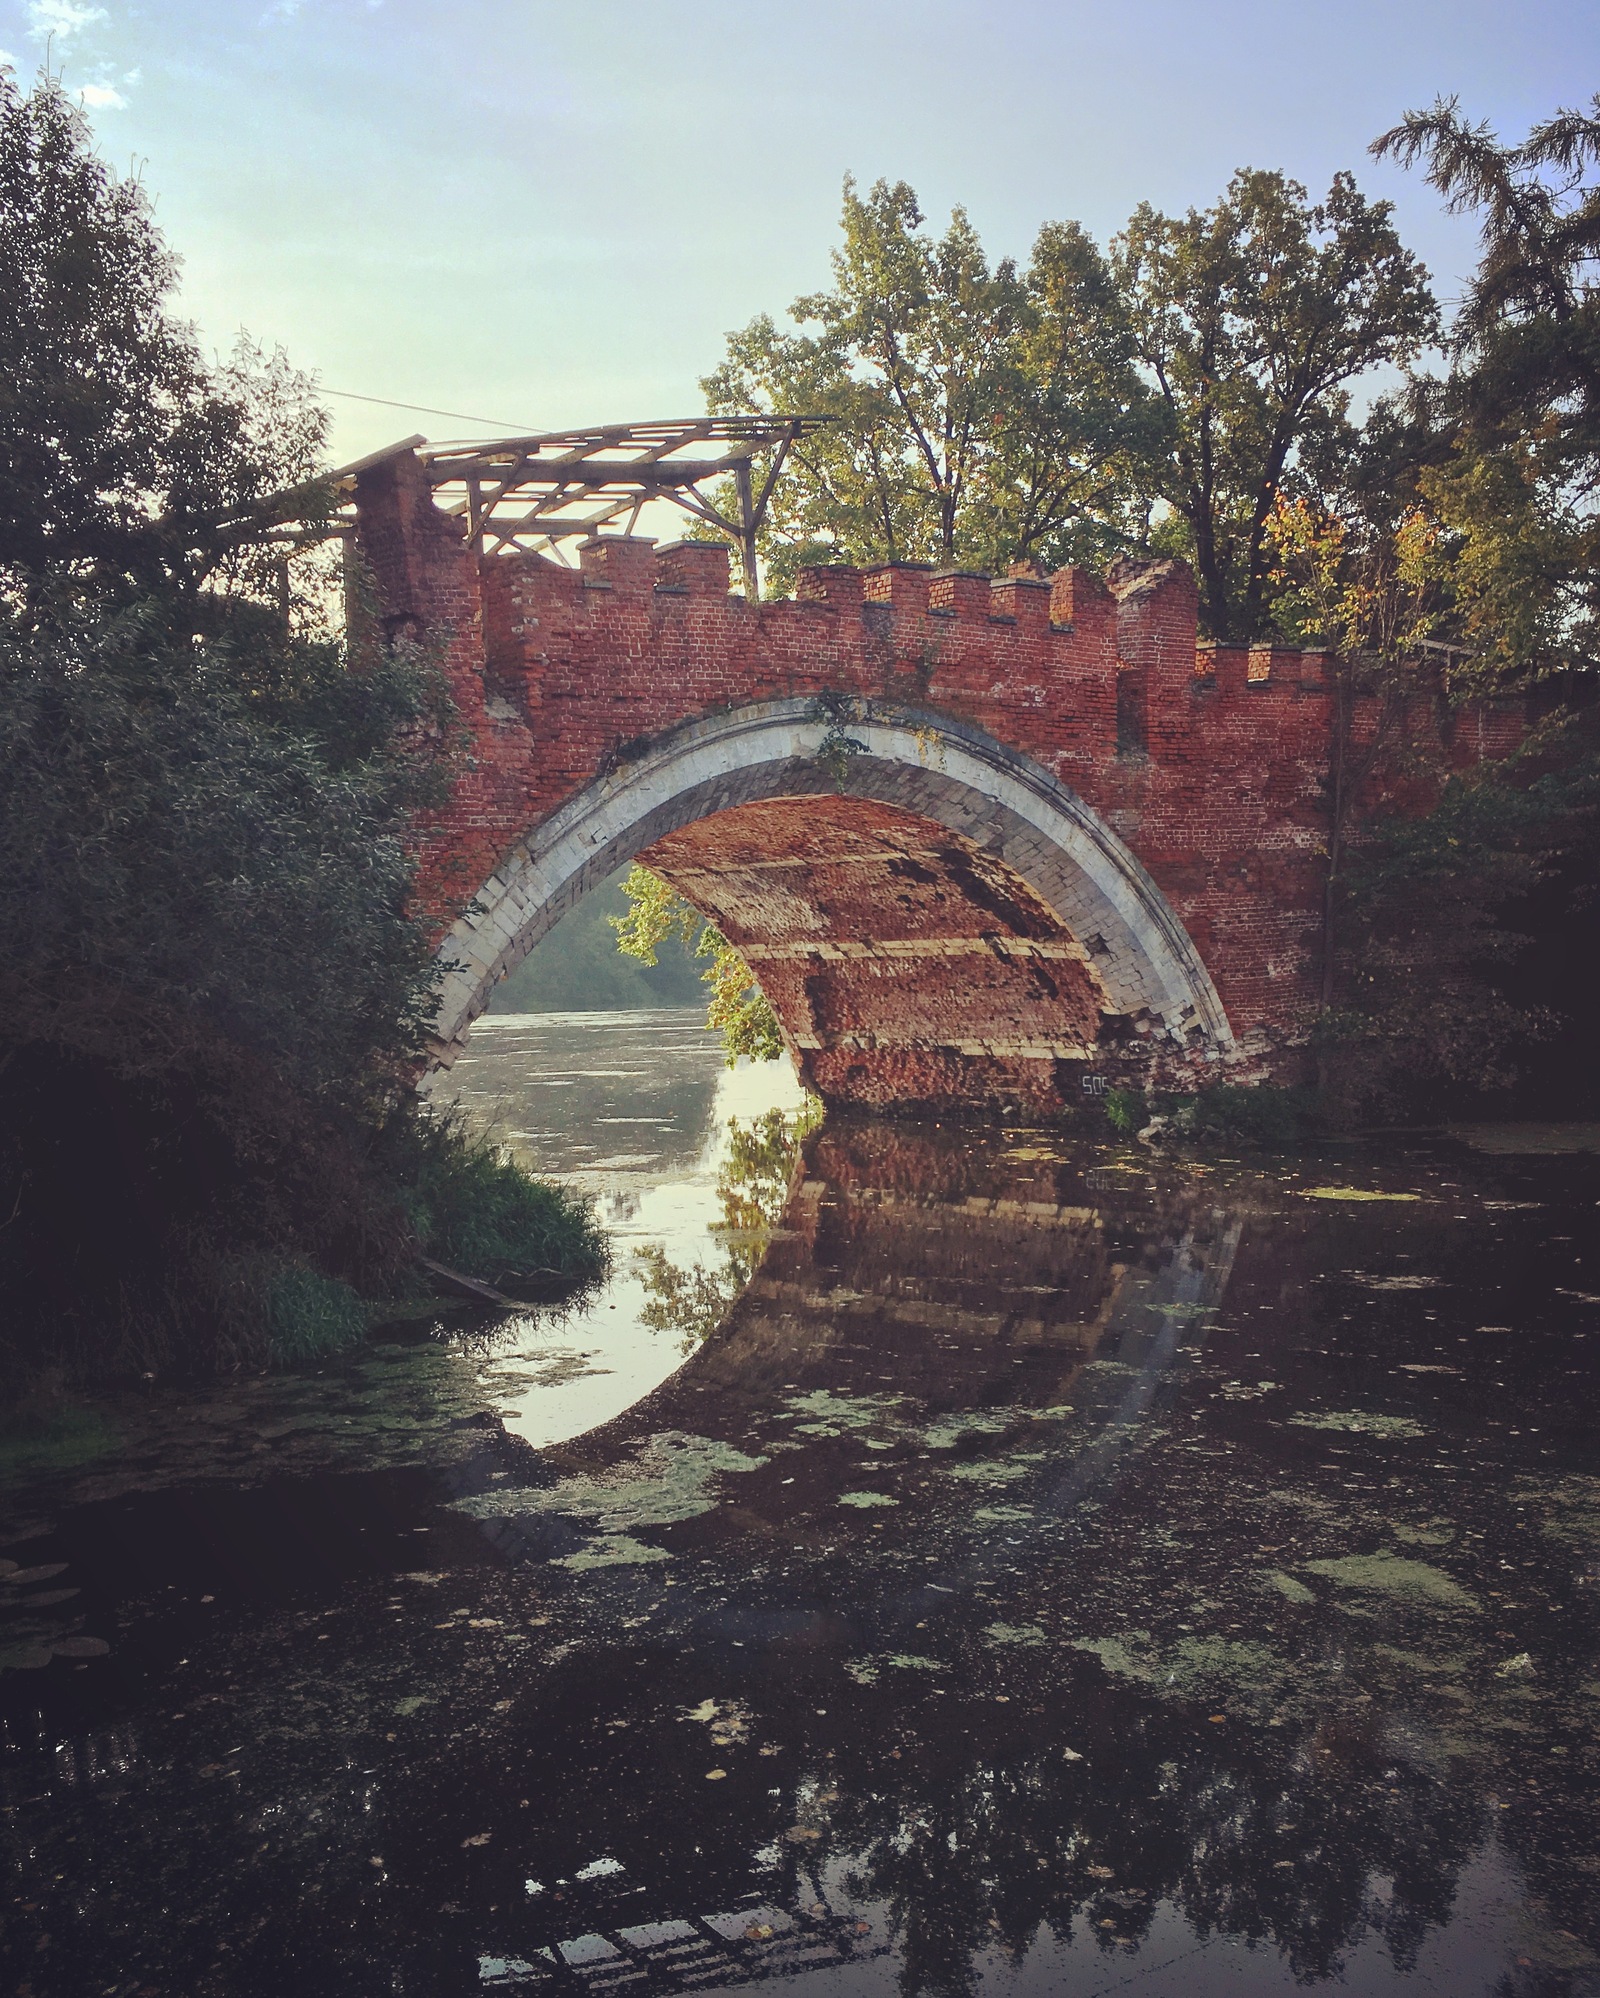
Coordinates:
(538,213)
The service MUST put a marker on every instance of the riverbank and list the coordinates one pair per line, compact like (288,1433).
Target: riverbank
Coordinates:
(150,1236)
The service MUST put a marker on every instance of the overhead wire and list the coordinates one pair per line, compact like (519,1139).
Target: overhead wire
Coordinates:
(423,409)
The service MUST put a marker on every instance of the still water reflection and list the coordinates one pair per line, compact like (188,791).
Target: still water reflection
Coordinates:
(637,1111)
(1058,1572)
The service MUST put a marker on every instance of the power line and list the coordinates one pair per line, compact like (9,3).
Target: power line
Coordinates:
(422,409)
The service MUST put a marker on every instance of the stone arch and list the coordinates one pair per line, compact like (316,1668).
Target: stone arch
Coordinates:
(1005,829)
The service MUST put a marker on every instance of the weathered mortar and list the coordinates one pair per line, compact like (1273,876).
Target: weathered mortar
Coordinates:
(1208,762)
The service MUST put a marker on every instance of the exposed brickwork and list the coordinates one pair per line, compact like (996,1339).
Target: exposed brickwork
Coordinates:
(1208,763)
(907,966)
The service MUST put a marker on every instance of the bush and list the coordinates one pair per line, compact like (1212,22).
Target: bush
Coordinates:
(1222,1113)
(1265,1115)
(478,1211)
(1127,1110)
(215,986)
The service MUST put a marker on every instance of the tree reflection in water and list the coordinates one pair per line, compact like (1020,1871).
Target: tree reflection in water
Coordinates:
(753,1185)
(1052,1560)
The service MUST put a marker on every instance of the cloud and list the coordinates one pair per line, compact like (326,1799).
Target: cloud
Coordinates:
(103,97)
(281,10)
(61,18)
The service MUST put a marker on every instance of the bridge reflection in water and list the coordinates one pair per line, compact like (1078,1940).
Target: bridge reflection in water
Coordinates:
(937,1349)
(1057,1567)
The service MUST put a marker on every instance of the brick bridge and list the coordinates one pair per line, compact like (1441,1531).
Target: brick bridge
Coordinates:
(1075,839)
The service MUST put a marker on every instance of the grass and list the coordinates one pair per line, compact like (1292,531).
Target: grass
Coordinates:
(476,1209)
(310,1317)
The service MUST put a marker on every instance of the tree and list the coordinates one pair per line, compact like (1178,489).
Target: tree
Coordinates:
(1358,589)
(981,415)
(194,785)
(1437,911)
(737,1009)
(1254,318)
(213,990)
(1517,491)
(126,463)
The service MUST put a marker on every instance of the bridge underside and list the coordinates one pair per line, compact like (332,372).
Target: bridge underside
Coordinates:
(907,966)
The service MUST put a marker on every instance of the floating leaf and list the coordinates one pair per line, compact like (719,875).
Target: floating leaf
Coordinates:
(23,1657)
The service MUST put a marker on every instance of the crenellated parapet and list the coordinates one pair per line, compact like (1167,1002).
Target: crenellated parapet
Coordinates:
(1208,762)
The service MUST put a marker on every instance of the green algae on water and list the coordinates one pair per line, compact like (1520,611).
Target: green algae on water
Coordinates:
(950,1429)
(1028,1634)
(821,1413)
(613,1550)
(1351,1193)
(668,1481)
(1393,1575)
(1354,1422)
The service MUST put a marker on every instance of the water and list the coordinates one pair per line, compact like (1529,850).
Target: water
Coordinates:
(637,1111)
(1058,1571)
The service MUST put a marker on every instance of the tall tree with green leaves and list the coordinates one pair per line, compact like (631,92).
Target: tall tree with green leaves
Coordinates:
(1254,320)
(1517,492)
(128,464)
(213,989)
(982,414)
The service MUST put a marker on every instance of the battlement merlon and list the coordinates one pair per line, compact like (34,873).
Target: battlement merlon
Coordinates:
(1072,640)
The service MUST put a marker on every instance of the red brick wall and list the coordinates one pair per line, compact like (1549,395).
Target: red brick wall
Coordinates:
(1217,785)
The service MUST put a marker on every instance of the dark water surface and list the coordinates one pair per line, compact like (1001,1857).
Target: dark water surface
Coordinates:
(1060,1571)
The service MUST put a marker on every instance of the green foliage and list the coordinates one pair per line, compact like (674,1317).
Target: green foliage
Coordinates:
(1514,490)
(1253,318)
(1166,397)
(475,1209)
(753,1185)
(983,414)
(204,815)
(1127,1110)
(737,1009)
(1432,928)
(838,748)
(1263,1115)
(577,968)
(212,992)
(207,838)
(127,465)
(308,1316)
(1221,1113)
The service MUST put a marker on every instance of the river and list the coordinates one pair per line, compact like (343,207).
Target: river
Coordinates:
(936,1561)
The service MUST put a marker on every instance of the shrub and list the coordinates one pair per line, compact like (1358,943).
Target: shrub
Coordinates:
(1221,1113)
(477,1210)
(1127,1110)
(307,1316)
